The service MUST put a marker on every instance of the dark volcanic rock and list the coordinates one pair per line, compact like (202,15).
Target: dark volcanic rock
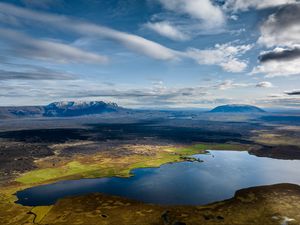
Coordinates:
(44,135)
(278,152)
(19,157)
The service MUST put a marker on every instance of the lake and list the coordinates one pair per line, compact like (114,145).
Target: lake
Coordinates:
(185,183)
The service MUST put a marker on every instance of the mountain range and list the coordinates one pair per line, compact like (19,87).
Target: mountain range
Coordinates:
(84,108)
(60,109)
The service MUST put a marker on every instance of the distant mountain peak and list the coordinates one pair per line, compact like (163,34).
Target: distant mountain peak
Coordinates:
(79,108)
(237,108)
(83,104)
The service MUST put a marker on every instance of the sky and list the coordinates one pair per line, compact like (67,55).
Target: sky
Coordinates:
(151,53)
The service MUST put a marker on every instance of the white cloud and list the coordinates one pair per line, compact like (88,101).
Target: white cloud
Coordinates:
(133,42)
(210,15)
(229,84)
(168,30)
(244,5)
(25,46)
(264,84)
(225,55)
(234,17)
(234,65)
(282,28)
(278,68)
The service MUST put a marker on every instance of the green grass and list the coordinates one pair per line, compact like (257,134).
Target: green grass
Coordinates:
(202,148)
(41,175)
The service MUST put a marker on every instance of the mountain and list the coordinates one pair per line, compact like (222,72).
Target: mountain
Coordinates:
(60,109)
(66,109)
(237,109)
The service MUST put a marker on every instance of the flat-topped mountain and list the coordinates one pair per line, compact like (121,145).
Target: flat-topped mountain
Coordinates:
(235,108)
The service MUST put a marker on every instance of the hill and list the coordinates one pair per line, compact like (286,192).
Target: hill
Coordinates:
(237,109)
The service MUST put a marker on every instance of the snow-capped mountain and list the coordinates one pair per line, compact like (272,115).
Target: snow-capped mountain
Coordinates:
(74,108)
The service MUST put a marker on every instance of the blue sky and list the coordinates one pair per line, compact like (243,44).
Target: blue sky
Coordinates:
(151,53)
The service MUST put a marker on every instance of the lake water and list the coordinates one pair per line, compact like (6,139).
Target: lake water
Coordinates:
(184,183)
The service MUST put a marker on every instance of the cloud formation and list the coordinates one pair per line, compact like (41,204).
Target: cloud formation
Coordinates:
(282,28)
(168,30)
(294,92)
(133,42)
(280,54)
(27,47)
(244,5)
(281,102)
(229,84)
(280,31)
(264,84)
(224,55)
(155,95)
(278,68)
(210,15)
(66,39)
(34,74)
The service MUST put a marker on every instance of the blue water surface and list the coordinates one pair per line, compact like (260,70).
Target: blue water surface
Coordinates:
(185,183)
